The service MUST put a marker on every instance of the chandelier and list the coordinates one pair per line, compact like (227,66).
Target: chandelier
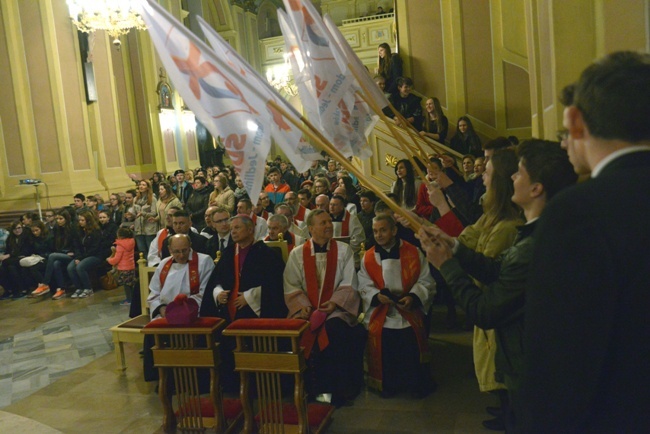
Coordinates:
(116,17)
(279,76)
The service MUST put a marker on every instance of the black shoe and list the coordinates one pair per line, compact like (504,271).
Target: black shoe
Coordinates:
(495,424)
(494,411)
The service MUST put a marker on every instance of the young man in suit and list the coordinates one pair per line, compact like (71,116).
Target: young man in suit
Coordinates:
(587,337)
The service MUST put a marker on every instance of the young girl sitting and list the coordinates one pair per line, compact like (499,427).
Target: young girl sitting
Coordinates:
(122,257)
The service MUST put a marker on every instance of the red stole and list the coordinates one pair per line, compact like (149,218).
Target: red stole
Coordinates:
(410,265)
(232,309)
(254,218)
(161,239)
(311,277)
(195,280)
(300,215)
(345,225)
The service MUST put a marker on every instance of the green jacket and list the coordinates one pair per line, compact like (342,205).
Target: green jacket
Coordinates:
(501,305)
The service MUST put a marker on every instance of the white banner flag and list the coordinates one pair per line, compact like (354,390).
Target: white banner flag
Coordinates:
(225,108)
(286,134)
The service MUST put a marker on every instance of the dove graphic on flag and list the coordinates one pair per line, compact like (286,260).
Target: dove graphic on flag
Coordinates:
(329,80)
(301,75)
(285,134)
(218,99)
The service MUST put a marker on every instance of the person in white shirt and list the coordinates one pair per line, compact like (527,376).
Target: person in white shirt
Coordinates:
(184,272)
(320,285)
(397,290)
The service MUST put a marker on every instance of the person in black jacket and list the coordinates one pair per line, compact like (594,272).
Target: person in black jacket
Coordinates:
(544,170)
(466,141)
(66,243)
(389,66)
(198,202)
(88,257)
(181,224)
(587,329)
(40,243)
(109,233)
(9,262)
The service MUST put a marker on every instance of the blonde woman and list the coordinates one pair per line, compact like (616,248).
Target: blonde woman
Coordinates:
(146,217)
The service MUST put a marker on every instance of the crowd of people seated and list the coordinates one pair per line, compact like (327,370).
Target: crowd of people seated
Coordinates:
(323,213)
(474,248)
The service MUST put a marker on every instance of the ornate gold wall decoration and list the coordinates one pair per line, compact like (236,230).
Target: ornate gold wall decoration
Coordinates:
(391,160)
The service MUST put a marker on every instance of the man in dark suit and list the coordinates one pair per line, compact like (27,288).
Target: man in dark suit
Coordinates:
(246,283)
(587,332)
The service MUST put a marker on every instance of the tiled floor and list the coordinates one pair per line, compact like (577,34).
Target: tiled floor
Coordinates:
(57,369)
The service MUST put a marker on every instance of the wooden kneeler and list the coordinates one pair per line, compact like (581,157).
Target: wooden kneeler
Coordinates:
(129,330)
(178,353)
(260,352)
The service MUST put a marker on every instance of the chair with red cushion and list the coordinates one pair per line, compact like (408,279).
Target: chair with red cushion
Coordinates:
(179,352)
(260,352)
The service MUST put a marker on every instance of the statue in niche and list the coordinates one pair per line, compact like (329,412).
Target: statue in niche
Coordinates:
(164,92)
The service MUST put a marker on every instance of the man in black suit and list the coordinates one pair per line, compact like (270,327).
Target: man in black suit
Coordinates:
(587,332)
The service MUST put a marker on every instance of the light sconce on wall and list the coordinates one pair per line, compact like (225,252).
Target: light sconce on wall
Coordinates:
(167,120)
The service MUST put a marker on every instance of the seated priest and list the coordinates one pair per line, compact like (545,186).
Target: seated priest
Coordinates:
(299,212)
(397,291)
(246,283)
(299,230)
(279,224)
(347,224)
(184,272)
(320,286)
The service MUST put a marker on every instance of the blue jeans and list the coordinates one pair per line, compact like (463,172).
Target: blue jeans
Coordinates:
(143,242)
(55,264)
(79,272)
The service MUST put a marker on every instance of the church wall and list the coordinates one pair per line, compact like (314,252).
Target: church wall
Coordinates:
(503,62)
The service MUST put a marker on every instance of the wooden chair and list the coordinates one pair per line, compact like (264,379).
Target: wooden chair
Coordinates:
(260,351)
(280,246)
(129,331)
(178,353)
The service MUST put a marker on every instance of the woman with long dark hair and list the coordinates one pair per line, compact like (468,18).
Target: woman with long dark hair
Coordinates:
(492,233)
(389,66)
(466,141)
(66,244)
(406,187)
(116,208)
(40,243)
(88,257)
(351,195)
(156,179)
(435,123)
